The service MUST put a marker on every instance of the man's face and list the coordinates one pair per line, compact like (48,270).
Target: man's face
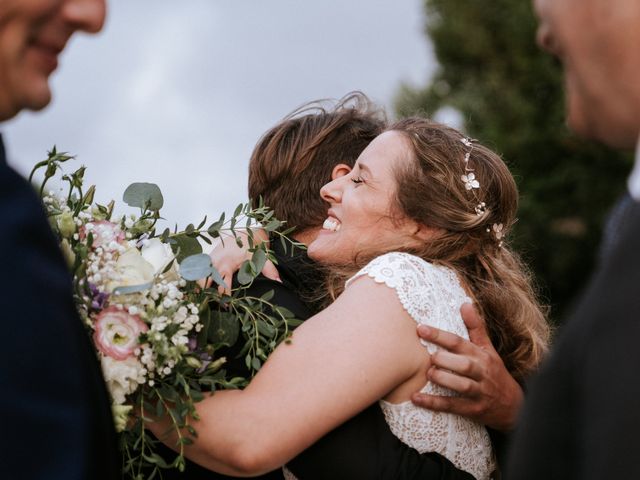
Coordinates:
(32,35)
(596,41)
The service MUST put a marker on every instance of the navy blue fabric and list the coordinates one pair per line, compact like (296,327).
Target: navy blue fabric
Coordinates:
(581,417)
(55,420)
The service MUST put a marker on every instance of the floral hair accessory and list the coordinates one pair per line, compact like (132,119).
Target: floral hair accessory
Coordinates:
(472,184)
(498,232)
(470,181)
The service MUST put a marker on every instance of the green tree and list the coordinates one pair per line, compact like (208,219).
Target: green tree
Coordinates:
(510,96)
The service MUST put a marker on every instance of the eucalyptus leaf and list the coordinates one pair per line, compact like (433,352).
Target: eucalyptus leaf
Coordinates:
(272,225)
(196,267)
(259,258)
(245,274)
(143,195)
(224,328)
(267,296)
(256,363)
(185,246)
(214,228)
(238,210)
(216,277)
(126,290)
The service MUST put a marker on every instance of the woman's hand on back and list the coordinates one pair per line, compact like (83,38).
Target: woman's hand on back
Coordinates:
(228,257)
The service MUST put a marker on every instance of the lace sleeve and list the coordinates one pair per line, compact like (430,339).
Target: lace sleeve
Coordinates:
(427,292)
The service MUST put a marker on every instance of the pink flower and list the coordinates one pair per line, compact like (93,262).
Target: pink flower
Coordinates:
(116,332)
(104,232)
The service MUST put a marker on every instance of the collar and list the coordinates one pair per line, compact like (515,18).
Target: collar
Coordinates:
(634,179)
(299,272)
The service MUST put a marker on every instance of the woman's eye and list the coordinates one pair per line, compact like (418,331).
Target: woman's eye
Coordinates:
(357,180)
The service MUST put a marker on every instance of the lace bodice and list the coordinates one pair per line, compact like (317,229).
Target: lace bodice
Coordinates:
(432,295)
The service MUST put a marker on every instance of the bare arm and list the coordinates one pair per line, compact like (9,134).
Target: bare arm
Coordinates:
(489,394)
(360,349)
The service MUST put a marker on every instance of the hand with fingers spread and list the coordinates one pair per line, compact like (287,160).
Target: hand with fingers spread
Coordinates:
(488,392)
(228,257)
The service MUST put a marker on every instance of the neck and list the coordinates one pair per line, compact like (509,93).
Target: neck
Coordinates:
(306,236)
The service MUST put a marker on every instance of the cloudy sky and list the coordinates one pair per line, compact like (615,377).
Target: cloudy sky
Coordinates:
(178,93)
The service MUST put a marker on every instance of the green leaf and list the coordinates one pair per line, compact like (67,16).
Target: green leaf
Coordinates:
(223,329)
(216,277)
(265,329)
(238,210)
(196,267)
(184,247)
(267,296)
(132,289)
(272,225)
(214,228)
(256,363)
(245,274)
(144,196)
(259,258)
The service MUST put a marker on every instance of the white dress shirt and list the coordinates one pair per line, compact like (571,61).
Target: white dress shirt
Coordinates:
(634,179)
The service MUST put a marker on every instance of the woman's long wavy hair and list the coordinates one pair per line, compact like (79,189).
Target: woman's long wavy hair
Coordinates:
(431,191)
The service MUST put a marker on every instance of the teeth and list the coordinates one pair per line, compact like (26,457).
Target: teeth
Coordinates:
(331,224)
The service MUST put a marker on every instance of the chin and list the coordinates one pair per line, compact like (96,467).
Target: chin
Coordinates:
(36,93)
(38,102)
(602,128)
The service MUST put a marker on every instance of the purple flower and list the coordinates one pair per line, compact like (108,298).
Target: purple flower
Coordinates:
(98,298)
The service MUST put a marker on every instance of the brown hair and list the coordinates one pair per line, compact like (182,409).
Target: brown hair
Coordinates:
(430,191)
(294,159)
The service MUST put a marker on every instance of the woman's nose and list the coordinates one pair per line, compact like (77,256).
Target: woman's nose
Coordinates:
(332,192)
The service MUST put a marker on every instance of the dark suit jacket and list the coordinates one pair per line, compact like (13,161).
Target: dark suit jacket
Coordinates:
(55,418)
(363,448)
(582,414)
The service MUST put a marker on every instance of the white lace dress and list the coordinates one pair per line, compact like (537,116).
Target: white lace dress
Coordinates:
(432,295)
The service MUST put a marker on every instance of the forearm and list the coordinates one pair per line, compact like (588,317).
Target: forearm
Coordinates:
(227,441)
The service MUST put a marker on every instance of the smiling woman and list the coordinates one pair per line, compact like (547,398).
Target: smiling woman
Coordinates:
(431,246)
(363,216)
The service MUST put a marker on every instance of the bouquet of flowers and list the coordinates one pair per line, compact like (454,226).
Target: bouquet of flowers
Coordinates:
(155,330)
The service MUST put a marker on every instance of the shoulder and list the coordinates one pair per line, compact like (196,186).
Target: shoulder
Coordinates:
(404,270)
(431,294)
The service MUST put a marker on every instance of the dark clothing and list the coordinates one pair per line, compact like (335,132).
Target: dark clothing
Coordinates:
(581,418)
(55,416)
(363,447)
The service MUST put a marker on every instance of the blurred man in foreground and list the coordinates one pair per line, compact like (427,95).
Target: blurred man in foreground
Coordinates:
(55,416)
(581,416)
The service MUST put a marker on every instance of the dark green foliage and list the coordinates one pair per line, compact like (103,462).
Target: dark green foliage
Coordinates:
(510,95)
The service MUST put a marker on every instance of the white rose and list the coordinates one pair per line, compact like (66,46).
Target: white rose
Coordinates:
(132,269)
(122,377)
(157,254)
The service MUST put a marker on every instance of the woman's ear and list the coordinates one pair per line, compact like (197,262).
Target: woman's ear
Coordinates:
(425,233)
(340,170)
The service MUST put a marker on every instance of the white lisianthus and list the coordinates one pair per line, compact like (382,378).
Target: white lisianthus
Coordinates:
(157,254)
(122,377)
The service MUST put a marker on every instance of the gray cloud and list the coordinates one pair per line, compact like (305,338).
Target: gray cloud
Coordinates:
(177,93)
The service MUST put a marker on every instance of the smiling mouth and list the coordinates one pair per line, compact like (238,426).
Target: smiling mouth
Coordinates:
(48,52)
(331,224)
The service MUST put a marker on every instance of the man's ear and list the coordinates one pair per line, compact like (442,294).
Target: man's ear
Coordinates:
(340,170)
